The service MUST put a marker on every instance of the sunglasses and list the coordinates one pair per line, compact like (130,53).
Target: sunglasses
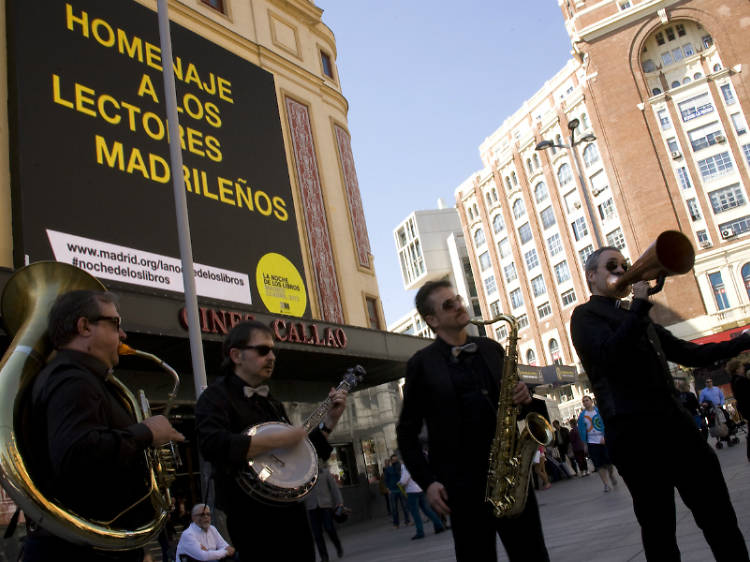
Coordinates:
(116,321)
(452,304)
(614,264)
(261,350)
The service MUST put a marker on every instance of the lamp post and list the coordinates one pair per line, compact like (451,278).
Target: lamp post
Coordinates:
(545,144)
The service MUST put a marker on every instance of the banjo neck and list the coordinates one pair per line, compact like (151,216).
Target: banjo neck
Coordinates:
(350,380)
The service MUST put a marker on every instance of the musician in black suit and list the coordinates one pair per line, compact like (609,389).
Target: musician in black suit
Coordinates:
(236,401)
(625,356)
(453,386)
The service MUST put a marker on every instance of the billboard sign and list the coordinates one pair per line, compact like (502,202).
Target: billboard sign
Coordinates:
(91,178)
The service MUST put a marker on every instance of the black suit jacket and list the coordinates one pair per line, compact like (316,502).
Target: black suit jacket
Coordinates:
(430,399)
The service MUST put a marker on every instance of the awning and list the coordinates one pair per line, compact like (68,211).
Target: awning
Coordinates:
(726,335)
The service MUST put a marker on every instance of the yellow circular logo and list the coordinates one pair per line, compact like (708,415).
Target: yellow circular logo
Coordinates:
(280,285)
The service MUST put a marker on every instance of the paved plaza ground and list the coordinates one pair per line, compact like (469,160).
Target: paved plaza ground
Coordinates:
(581,523)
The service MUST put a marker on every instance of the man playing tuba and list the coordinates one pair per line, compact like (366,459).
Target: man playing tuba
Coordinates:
(453,385)
(86,445)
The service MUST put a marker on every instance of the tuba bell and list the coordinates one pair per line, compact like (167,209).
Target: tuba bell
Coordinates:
(670,254)
(25,303)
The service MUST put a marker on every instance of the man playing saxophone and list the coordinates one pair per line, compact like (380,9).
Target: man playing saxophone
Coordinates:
(453,385)
(86,445)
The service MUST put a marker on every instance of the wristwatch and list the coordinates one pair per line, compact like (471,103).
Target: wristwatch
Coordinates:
(324,428)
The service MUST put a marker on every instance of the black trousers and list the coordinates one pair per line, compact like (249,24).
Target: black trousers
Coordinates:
(267,532)
(475,528)
(44,547)
(683,460)
(321,518)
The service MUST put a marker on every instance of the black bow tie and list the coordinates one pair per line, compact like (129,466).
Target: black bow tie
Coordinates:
(456,350)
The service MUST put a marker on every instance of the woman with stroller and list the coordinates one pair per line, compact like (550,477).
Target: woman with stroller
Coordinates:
(741,391)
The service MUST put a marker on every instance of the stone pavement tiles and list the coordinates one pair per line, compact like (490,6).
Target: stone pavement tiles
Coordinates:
(580,523)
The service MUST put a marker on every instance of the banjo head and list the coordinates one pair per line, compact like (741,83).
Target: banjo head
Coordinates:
(284,474)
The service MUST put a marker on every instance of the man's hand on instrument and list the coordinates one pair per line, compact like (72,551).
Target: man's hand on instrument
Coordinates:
(337,407)
(437,497)
(521,394)
(230,551)
(640,290)
(162,431)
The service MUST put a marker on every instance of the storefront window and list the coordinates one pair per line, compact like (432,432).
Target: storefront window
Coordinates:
(343,465)
(371,460)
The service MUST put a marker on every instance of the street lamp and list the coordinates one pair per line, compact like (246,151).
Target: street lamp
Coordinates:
(545,144)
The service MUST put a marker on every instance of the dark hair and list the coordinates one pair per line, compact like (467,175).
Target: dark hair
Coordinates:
(69,307)
(239,336)
(421,301)
(592,262)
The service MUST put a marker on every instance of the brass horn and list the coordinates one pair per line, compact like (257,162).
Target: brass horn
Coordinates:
(670,254)
(26,302)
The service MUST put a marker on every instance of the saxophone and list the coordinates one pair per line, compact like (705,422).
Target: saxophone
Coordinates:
(511,453)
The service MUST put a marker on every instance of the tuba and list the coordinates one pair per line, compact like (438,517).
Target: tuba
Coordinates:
(26,302)
(670,254)
(511,453)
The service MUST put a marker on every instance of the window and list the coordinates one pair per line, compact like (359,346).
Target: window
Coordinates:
(484,261)
(554,351)
(675,84)
(697,76)
(373,318)
(656,91)
(746,150)
(720,293)
(494,309)
(585,253)
(666,58)
(514,178)
(607,209)
(325,61)
(590,155)
(624,4)
(540,192)
(518,209)
(740,126)
(531,258)
(523,322)
(686,80)
(548,217)
(579,228)
(562,273)
(479,237)
(616,239)
(702,236)
(507,183)
(572,202)
(677,54)
(585,121)
(684,177)
(471,214)
(538,286)
(672,144)
(687,49)
(717,67)
(524,233)
(659,38)
(726,198)
(664,120)
(530,357)
(498,224)
(516,300)
(510,272)
(490,286)
(649,65)
(501,332)
(746,277)
(504,248)
(670,33)
(535,158)
(726,91)
(705,136)
(715,166)
(568,297)
(544,310)
(529,167)
(695,106)
(554,244)
(215,4)
(737,226)
(693,209)
(564,175)
(680,29)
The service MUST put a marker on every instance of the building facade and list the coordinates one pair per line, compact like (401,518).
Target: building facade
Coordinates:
(657,93)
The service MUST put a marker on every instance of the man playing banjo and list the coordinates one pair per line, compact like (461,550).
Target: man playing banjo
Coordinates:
(236,401)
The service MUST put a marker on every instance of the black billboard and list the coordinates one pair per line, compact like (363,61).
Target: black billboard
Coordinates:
(91,179)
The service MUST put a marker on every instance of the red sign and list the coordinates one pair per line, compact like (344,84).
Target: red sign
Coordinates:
(218,321)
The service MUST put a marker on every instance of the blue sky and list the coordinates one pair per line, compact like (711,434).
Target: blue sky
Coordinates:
(427,82)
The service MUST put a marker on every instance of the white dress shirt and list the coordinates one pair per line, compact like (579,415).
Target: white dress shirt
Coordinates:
(202,545)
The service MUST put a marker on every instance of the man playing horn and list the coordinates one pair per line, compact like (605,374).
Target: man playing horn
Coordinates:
(87,447)
(625,356)
(236,401)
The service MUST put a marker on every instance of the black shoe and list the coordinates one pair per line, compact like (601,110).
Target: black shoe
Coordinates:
(339,552)
(415,537)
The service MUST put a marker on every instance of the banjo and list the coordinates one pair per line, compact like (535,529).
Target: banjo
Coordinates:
(288,474)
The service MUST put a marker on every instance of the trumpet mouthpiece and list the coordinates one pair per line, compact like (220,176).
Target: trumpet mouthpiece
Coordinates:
(125,349)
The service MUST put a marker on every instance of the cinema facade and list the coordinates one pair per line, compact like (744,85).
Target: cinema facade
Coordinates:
(277,225)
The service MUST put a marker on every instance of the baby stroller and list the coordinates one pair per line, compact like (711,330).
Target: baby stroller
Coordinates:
(719,424)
